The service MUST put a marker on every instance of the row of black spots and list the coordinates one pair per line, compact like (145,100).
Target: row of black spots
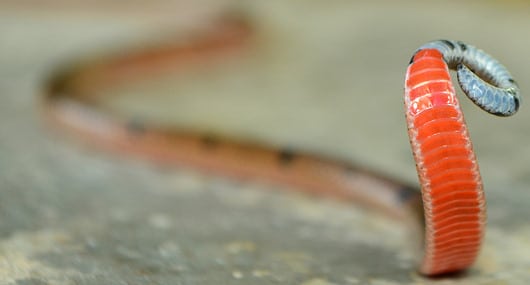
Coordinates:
(137,127)
(285,156)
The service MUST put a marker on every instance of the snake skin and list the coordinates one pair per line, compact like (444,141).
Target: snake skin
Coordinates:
(482,78)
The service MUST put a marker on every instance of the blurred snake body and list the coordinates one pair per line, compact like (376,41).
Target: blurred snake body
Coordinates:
(453,201)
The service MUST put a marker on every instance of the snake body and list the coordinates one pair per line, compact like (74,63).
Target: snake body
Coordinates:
(452,190)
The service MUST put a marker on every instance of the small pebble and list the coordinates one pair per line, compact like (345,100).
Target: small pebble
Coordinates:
(237,274)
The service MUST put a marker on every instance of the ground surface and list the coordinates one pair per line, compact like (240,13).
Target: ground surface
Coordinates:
(324,77)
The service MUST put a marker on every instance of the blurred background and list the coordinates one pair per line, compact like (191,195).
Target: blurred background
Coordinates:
(320,76)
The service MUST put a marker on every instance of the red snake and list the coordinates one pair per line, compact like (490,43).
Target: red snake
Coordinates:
(453,201)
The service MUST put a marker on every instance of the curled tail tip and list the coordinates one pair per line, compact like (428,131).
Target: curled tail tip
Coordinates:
(482,78)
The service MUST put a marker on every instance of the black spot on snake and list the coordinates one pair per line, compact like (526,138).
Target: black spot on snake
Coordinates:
(406,193)
(448,43)
(286,156)
(209,141)
(462,45)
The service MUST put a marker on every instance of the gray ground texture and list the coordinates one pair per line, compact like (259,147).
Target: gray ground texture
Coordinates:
(323,76)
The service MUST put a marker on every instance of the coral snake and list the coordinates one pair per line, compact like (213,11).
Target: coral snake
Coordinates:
(451,203)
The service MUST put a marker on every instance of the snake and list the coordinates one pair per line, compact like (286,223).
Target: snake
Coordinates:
(447,213)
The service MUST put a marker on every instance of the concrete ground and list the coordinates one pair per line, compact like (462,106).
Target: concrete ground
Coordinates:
(322,76)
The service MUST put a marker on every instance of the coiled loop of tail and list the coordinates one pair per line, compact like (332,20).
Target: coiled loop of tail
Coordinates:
(482,78)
